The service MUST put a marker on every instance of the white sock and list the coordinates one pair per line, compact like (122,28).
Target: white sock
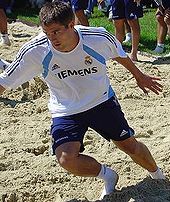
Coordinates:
(5,39)
(110,178)
(161,45)
(128,37)
(128,34)
(158,174)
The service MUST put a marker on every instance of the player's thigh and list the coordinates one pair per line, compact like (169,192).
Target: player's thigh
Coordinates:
(118,9)
(134,24)
(109,121)
(132,10)
(79,4)
(68,129)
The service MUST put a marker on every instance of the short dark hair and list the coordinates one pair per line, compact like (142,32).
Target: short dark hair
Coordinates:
(57,11)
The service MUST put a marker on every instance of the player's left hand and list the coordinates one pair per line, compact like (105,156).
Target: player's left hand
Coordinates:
(146,83)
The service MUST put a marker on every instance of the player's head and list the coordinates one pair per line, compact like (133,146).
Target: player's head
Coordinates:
(57,21)
(57,11)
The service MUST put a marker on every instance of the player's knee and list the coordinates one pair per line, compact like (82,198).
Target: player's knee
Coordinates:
(66,159)
(130,148)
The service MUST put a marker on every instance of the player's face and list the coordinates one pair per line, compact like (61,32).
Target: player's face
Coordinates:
(60,36)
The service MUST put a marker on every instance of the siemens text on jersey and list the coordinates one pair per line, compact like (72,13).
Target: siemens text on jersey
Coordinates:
(82,72)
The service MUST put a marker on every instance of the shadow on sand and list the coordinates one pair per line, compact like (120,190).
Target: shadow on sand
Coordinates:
(13,103)
(147,190)
(161,60)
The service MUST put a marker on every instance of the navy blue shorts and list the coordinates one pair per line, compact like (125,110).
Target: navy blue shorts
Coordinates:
(126,9)
(107,119)
(79,4)
(3,4)
(166,3)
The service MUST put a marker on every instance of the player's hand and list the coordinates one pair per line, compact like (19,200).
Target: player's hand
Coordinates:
(146,83)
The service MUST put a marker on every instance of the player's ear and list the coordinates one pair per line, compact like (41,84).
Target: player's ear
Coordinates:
(71,24)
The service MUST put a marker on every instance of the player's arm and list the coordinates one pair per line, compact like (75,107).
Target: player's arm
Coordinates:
(144,81)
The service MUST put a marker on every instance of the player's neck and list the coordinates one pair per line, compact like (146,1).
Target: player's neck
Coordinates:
(74,40)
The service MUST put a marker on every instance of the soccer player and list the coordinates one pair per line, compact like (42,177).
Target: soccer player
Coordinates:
(163,24)
(3,25)
(79,7)
(72,60)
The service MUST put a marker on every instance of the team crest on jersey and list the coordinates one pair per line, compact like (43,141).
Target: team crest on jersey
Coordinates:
(88,61)
(55,66)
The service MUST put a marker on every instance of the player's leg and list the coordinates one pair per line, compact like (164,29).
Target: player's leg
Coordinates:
(141,155)
(118,17)
(128,35)
(133,13)
(161,32)
(119,29)
(113,126)
(3,24)
(68,133)
(79,6)
(135,29)
(69,157)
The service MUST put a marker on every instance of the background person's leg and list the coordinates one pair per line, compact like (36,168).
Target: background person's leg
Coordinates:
(79,7)
(128,35)
(81,18)
(161,33)
(119,29)
(135,30)
(3,28)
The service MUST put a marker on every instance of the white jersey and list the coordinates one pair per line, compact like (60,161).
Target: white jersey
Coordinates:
(3,64)
(77,80)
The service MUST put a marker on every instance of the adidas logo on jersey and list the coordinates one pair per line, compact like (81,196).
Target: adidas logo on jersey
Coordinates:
(55,66)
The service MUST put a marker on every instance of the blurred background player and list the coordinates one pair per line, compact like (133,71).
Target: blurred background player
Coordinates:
(129,10)
(4,39)
(79,6)
(163,25)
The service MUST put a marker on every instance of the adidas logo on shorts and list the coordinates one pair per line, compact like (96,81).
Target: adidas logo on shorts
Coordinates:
(124,132)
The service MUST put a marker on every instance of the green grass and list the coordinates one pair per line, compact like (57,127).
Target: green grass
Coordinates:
(28,15)
(147,24)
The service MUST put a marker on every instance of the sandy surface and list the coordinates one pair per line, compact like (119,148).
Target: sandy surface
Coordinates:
(28,173)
